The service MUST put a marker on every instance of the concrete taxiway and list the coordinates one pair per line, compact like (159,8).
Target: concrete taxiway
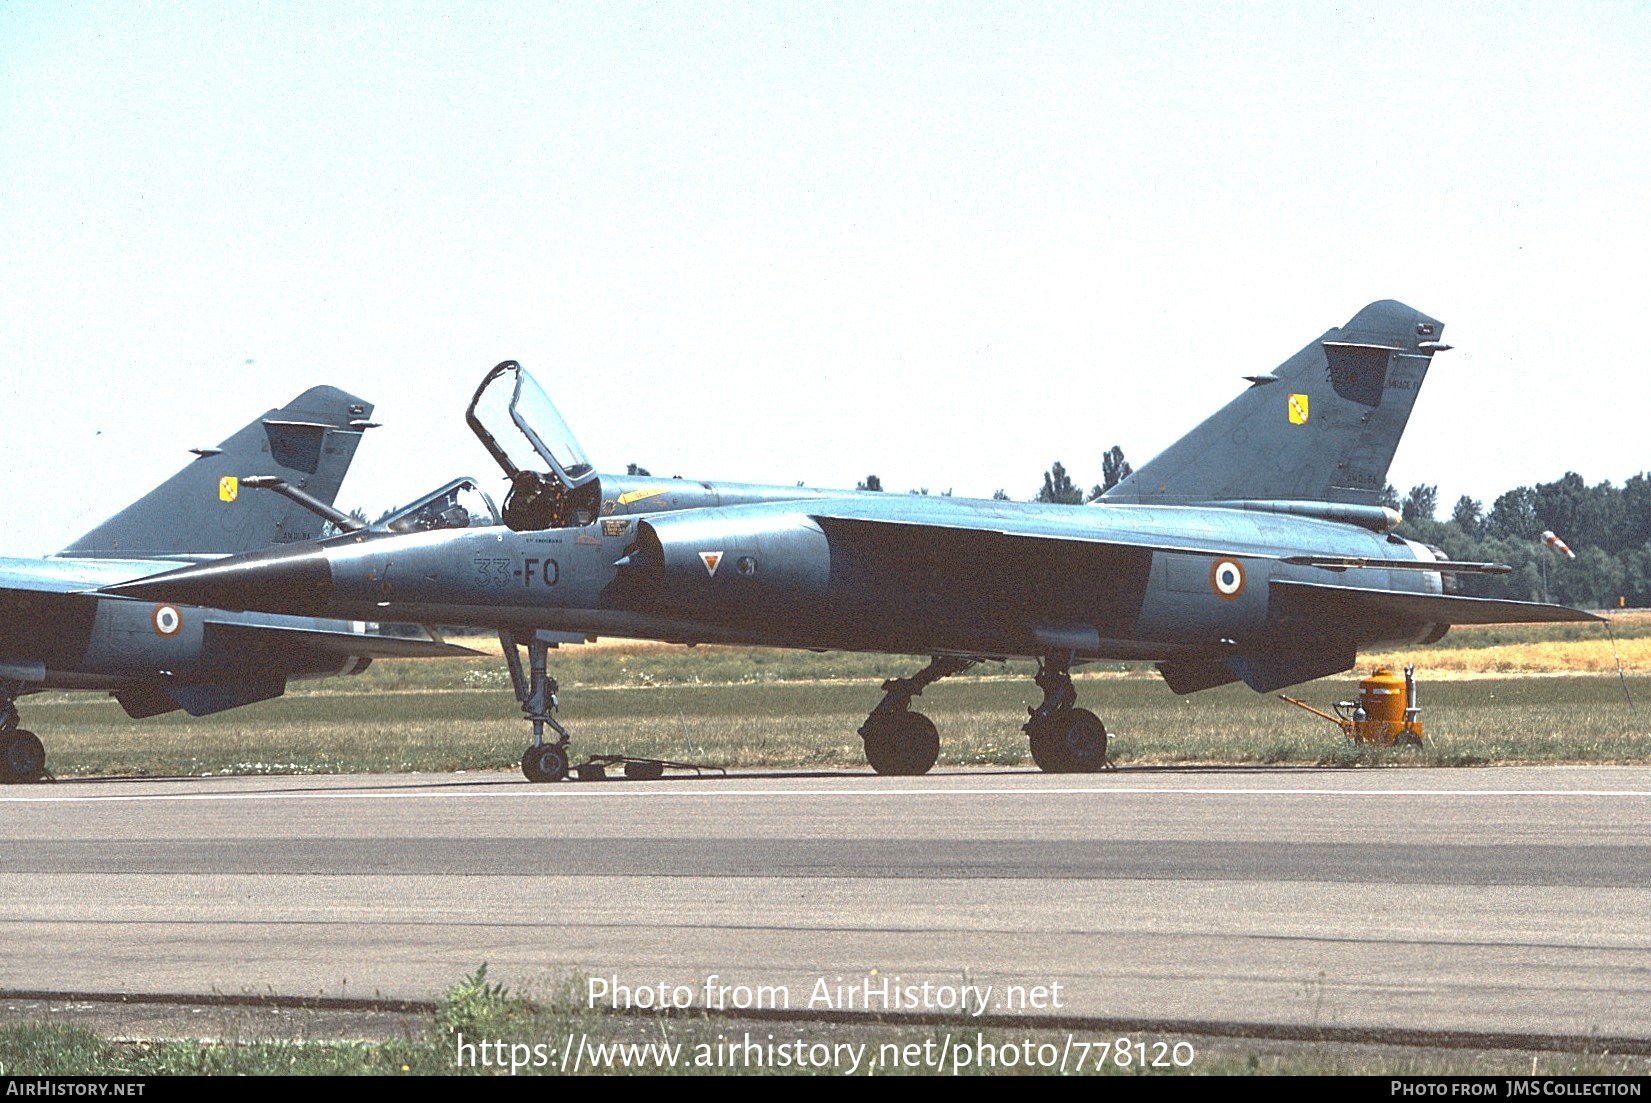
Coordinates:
(1508,900)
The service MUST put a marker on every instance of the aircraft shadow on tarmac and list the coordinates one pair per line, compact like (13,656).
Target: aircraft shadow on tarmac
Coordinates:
(456,781)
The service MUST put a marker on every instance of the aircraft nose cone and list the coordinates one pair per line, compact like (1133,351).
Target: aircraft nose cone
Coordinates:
(295,583)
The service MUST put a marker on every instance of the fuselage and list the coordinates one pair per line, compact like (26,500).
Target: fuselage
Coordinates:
(869,572)
(56,638)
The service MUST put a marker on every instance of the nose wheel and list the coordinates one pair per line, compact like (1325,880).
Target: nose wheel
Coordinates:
(546,762)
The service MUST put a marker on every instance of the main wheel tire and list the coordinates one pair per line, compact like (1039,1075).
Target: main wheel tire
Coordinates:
(22,759)
(1086,741)
(1069,742)
(1046,747)
(546,762)
(905,745)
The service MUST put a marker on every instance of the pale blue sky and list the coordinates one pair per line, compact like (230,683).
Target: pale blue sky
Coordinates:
(943,243)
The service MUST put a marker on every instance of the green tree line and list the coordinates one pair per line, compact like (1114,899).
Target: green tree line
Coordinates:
(1607,526)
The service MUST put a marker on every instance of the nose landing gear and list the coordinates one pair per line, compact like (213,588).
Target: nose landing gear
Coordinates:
(536,692)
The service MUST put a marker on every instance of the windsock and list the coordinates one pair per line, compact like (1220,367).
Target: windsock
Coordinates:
(1557,544)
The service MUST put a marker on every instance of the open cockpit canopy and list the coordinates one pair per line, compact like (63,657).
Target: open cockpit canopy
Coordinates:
(519,425)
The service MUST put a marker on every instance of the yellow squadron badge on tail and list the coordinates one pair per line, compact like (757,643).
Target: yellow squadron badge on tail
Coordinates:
(1298,409)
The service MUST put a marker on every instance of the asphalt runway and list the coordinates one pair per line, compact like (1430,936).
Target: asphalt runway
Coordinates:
(1512,900)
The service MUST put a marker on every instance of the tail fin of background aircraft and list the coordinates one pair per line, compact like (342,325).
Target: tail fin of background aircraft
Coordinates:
(1321,427)
(202,510)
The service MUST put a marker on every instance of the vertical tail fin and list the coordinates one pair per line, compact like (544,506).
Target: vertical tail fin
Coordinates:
(1321,427)
(202,510)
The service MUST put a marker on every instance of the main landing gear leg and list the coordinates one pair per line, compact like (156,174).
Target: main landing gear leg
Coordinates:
(536,692)
(1065,740)
(22,757)
(899,741)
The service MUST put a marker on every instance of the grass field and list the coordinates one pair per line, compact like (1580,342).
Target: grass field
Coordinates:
(533,1032)
(1482,698)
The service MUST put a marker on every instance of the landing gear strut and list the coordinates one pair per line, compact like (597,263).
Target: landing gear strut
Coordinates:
(899,741)
(536,692)
(22,757)
(1065,740)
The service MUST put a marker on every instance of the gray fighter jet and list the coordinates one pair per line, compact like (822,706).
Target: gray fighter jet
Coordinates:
(158,657)
(1254,549)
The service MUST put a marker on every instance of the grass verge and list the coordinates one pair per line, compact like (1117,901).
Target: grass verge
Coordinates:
(509,1035)
(367,727)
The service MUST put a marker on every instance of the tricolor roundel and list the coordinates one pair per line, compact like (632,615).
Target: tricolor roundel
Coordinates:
(1226,579)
